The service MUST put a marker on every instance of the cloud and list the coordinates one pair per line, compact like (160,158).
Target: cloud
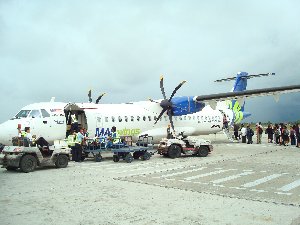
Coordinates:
(64,48)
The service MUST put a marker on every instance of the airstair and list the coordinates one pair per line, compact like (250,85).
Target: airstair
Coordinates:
(228,135)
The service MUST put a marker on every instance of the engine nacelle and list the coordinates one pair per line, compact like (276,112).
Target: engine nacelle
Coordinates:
(185,105)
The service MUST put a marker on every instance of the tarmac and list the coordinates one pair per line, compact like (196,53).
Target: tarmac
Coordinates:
(235,184)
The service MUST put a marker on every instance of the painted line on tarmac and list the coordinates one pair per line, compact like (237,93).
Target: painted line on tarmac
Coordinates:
(182,172)
(208,174)
(261,181)
(290,186)
(233,177)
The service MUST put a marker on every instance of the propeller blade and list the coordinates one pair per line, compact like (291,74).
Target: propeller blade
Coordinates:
(171,120)
(151,100)
(99,98)
(160,115)
(176,89)
(90,96)
(162,87)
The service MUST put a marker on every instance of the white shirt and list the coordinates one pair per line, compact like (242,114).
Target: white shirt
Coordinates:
(244,131)
(29,136)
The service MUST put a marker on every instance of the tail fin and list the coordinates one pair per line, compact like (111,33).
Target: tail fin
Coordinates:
(240,82)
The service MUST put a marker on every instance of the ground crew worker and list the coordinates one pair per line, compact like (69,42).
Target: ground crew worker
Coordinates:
(78,146)
(27,137)
(74,121)
(169,134)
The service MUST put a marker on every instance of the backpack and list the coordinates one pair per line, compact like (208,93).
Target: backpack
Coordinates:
(251,132)
(260,130)
(277,133)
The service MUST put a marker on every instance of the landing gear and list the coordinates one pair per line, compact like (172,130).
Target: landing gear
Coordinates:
(174,151)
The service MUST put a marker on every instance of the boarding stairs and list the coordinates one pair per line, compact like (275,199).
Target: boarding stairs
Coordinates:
(228,135)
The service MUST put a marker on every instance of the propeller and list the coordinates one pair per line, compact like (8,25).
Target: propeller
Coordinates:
(90,96)
(167,104)
(98,99)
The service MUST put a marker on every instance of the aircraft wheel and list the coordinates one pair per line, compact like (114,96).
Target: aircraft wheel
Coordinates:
(116,158)
(203,151)
(11,168)
(174,151)
(61,161)
(28,163)
(128,158)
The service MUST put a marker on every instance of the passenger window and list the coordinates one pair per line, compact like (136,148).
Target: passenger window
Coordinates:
(132,118)
(45,113)
(193,117)
(149,117)
(35,114)
(189,117)
(166,118)
(184,117)
(155,118)
(126,118)
(138,118)
(180,117)
(106,119)
(120,119)
(144,118)
(113,119)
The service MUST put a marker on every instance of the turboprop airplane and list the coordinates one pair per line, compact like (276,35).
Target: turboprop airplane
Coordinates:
(195,115)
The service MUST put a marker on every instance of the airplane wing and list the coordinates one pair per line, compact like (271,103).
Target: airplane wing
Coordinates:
(274,91)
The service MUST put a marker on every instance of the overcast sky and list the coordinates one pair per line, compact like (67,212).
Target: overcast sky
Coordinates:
(64,48)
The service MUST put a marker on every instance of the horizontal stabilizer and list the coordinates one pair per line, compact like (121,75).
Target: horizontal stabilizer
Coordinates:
(246,77)
(248,93)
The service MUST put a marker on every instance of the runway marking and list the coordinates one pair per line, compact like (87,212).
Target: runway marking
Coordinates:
(281,193)
(208,174)
(260,191)
(290,186)
(231,177)
(261,181)
(182,172)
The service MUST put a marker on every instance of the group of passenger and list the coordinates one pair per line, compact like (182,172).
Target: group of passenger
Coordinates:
(280,134)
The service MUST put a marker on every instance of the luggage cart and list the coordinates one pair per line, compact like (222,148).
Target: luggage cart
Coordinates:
(143,149)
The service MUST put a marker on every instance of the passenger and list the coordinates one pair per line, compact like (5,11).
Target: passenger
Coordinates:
(259,131)
(85,133)
(244,133)
(285,135)
(297,132)
(292,135)
(250,134)
(236,131)
(277,133)
(269,131)
(225,122)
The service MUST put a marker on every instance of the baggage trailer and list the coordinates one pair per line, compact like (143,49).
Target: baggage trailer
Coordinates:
(121,148)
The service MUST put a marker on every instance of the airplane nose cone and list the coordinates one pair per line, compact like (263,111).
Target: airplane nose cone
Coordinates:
(7,131)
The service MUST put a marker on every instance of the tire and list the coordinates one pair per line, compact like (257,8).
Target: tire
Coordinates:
(98,158)
(116,158)
(146,156)
(203,151)
(61,161)
(128,158)
(28,163)
(174,151)
(11,168)
(136,155)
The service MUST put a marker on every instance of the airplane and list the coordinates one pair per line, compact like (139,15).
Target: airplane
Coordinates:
(194,115)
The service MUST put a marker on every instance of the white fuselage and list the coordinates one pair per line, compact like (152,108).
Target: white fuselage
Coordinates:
(131,119)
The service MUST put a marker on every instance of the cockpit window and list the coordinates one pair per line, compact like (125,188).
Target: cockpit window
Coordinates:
(45,113)
(23,114)
(35,114)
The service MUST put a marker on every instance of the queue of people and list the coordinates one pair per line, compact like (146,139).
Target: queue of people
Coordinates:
(280,134)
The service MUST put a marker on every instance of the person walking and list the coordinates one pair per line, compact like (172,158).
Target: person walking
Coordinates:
(269,131)
(292,135)
(244,133)
(250,134)
(277,133)
(259,132)
(297,133)
(236,131)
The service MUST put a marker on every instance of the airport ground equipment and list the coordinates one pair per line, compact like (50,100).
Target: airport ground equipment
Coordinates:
(122,148)
(28,158)
(186,145)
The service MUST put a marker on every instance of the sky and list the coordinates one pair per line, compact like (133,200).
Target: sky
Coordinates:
(64,48)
